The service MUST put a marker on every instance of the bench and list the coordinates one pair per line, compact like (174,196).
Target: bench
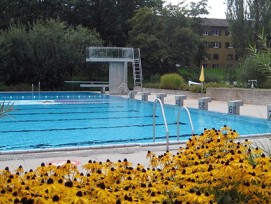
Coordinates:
(91,84)
(102,86)
(87,82)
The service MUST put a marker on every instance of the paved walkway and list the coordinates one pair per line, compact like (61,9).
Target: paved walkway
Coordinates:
(133,154)
(258,111)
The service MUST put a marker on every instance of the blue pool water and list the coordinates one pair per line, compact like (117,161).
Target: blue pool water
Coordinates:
(68,119)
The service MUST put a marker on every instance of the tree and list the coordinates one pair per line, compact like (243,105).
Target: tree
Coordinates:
(15,53)
(147,33)
(184,47)
(166,38)
(247,19)
(239,21)
(107,17)
(257,65)
(50,53)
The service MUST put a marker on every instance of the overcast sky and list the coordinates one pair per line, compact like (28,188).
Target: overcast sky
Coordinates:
(216,8)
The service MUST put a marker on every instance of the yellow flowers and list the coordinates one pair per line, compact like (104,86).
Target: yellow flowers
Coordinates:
(213,168)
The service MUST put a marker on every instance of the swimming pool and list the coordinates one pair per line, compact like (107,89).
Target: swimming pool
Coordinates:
(82,119)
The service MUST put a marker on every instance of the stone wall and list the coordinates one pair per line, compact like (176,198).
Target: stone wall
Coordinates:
(248,96)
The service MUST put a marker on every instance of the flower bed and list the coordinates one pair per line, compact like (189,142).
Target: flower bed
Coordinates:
(212,168)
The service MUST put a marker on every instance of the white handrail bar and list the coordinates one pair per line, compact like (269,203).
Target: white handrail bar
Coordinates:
(123,85)
(178,122)
(164,117)
(32,90)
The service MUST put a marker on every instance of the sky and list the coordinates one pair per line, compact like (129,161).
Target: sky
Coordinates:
(216,8)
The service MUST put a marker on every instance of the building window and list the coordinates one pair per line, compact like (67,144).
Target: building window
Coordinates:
(215,56)
(205,65)
(230,56)
(205,32)
(215,66)
(228,45)
(216,45)
(236,57)
(216,32)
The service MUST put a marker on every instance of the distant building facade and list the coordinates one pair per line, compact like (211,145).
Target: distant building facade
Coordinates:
(220,52)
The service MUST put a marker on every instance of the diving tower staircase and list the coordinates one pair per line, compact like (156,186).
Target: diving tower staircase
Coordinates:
(137,69)
(118,58)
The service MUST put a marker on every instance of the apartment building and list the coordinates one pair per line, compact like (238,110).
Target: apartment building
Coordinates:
(220,52)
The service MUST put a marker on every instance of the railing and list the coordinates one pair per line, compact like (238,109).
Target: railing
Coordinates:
(165,121)
(178,121)
(123,85)
(116,53)
(32,89)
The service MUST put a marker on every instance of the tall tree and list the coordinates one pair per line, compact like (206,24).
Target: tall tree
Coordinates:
(51,52)
(166,38)
(147,32)
(240,25)
(257,64)
(108,17)
(247,19)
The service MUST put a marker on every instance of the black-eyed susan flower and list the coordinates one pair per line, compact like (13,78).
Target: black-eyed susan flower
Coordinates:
(211,168)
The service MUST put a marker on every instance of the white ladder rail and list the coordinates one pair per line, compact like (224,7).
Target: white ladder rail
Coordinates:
(137,69)
(178,122)
(165,121)
(123,85)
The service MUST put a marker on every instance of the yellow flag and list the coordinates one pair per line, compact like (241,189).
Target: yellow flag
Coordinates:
(201,78)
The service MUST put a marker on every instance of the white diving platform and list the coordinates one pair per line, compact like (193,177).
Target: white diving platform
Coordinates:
(91,84)
(118,59)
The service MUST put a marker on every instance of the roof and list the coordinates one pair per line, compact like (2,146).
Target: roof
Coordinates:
(215,22)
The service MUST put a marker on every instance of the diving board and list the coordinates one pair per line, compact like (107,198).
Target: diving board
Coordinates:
(118,59)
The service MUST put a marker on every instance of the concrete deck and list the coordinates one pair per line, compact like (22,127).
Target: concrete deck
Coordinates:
(258,111)
(133,154)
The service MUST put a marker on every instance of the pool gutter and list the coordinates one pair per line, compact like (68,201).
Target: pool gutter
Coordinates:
(98,147)
(92,147)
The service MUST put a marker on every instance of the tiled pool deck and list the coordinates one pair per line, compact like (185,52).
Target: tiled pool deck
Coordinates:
(136,154)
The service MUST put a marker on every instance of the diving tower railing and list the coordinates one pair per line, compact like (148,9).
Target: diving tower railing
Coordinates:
(157,100)
(118,58)
(178,121)
(111,54)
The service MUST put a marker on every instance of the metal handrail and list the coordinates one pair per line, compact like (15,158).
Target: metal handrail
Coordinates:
(123,85)
(178,122)
(164,117)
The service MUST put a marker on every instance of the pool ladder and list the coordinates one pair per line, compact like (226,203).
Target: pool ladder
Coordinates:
(32,90)
(124,86)
(157,100)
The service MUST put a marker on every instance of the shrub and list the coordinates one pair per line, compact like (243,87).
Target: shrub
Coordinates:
(216,85)
(196,89)
(171,81)
(19,87)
